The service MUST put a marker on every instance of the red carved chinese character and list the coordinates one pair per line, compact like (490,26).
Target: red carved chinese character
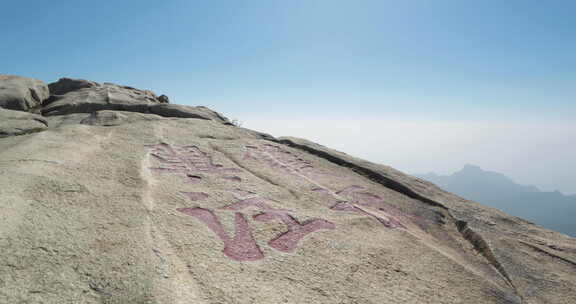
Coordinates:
(388,215)
(363,198)
(389,222)
(232,178)
(188,160)
(250,152)
(242,247)
(284,160)
(195,196)
(287,241)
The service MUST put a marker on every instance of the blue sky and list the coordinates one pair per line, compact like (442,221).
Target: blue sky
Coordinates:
(276,64)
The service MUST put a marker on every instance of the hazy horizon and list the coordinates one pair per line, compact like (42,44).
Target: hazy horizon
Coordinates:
(422,86)
(551,210)
(418,147)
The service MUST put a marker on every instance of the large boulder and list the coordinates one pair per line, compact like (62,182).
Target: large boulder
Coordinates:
(71,96)
(119,207)
(82,96)
(65,85)
(22,94)
(14,123)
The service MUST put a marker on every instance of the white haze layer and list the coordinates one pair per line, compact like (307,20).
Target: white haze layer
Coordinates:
(540,154)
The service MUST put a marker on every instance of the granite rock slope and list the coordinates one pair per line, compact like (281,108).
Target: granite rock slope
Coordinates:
(109,206)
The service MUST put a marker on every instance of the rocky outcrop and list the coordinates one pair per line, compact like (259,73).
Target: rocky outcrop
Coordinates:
(70,96)
(182,207)
(181,111)
(66,85)
(21,94)
(80,96)
(14,123)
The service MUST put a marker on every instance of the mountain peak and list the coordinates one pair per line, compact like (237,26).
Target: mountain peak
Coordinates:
(470,167)
(550,209)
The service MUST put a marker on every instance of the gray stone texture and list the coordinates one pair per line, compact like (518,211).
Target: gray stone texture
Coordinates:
(81,96)
(173,110)
(122,207)
(20,93)
(14,123)
(65,85)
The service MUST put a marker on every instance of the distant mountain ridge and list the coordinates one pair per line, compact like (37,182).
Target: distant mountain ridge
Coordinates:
(551,209)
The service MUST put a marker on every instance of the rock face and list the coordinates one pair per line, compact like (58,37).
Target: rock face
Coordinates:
(172,110)
(81,96)
(66,85)
(122,207)
(14,123)
(22,94)
(69,96)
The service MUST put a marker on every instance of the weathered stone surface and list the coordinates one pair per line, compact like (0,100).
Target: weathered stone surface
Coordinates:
(100,118)
(80,96)
(70,96)
(506,242)
(173,110)
(65,85)
(21,94)
(120,207)
(116,118)
(14,123)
